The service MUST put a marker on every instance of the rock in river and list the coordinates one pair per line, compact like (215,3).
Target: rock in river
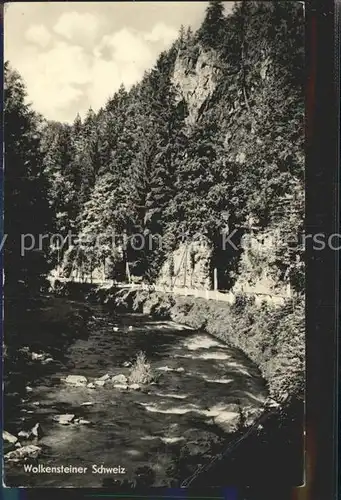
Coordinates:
(9,438)
(9,441)
(76,380)
(64,419)
(37,356)
(47,360)
(24,434)
(134,387)
(29,451)
(35,432)
(82,421)
(121,386)
(119,379)
(105,377)
(100,383)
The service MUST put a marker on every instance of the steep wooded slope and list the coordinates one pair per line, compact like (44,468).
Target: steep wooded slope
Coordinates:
(211,139)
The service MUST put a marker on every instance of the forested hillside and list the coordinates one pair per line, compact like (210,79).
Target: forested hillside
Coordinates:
(211,139)
(26,189)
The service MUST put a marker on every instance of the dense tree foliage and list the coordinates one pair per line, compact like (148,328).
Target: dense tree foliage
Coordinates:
(143,166)
(27,213)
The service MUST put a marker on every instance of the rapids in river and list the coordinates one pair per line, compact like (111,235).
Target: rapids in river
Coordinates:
(200,381)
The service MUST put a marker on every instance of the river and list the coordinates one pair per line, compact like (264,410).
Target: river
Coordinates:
(199,382)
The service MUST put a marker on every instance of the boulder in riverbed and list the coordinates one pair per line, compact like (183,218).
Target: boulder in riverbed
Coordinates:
(76,380)
(82,421)
(123,387)
(48,360)
(91,386)
(135,387)
(9,438)
(64,419)
(35,432)
(24,434)
(37,356)
(100,383)
(29,451)
(105,377)
(119,379)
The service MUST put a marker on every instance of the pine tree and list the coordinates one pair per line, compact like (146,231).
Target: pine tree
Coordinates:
(189,35)
(181,41)
(155,165)
(211,31)
(59,156)
(27,211)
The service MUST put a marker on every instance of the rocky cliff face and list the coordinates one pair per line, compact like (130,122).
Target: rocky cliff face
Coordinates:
(256,272)
(196,76)
(188,266)
(195,79)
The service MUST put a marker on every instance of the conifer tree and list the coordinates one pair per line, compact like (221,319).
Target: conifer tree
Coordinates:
(27,211)
(211,30)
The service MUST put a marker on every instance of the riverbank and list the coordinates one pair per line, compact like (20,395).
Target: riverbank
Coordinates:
(272,337)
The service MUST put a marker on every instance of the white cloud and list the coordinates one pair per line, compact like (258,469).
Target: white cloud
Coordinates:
(53,78)
(127,47)
(77,26)
(66,64)
(65,78)
(122,57)
(162,33)
(63,63)
(38,34)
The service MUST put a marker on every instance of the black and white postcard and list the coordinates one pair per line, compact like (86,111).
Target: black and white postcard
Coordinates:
(154,276)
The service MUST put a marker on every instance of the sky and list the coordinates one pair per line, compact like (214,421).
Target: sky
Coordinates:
(75,55)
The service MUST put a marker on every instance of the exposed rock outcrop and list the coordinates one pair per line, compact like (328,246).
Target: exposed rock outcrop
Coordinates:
(188,265)
(195,79)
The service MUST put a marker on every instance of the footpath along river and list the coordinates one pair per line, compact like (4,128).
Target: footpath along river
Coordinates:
(199,383)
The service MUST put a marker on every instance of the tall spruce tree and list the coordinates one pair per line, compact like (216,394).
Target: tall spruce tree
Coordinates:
(27,211)
(211,31)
